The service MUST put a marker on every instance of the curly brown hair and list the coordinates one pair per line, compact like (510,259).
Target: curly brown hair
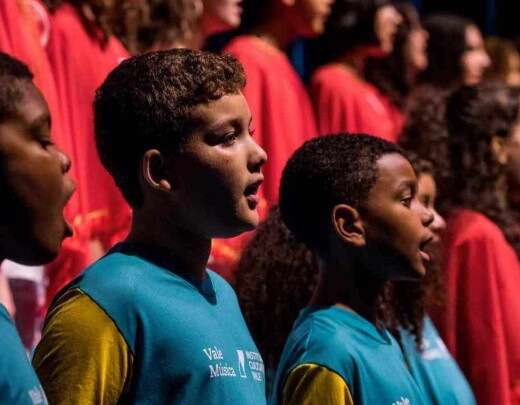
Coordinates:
(275,279)
(148,101)
(425,133)
(475,116)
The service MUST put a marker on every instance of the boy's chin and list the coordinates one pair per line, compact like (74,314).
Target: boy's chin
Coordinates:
(388,265)
(238,227)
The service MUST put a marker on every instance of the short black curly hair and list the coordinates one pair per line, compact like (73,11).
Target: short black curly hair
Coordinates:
(12,74)
(148,101)
(324,172)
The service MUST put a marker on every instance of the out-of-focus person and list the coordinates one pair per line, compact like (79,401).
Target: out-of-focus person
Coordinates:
(343,99)
(456,52)
(505,61)
(480,319)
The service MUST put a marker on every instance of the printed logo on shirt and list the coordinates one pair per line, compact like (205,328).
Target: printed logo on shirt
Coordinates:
(220,367)
(434,350)
(402,401)
(37,396)
(241,363)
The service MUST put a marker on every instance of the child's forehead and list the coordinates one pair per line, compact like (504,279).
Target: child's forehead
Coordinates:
(228,106)
(394,170)
(31,105)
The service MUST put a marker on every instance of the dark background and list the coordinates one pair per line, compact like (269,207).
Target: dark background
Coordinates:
(494,17)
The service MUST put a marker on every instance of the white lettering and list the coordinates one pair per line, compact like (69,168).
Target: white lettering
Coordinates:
(213,353)
(221,370)
(402,401)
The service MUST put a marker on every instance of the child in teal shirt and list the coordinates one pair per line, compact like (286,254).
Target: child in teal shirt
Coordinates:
(352,200)
(148,323)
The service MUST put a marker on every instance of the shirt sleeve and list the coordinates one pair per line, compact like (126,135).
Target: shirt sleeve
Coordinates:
(310,384)
(82,357)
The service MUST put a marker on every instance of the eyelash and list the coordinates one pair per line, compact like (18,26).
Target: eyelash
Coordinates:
(407,202)
(45,143)
(229,139)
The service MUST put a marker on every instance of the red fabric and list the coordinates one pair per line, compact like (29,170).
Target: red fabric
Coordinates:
(282,112)
(481,320)
(345,102)
(80,63)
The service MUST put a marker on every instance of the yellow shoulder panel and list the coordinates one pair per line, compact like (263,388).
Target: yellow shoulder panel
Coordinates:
(82,358)
(310,384)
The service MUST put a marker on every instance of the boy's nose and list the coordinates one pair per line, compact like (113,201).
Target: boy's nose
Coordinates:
(258,157)
(65,161)
(427,216)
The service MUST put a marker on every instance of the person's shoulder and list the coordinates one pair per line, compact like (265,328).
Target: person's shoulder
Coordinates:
(466,225)
(250,50)
(323,337)
(334,74)
(65,17)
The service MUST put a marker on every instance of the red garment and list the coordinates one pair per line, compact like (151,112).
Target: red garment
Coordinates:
(345,102)
(481,320)
(80,62)
(282,112)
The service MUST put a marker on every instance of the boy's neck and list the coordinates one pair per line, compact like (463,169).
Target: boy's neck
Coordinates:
(190,251)
(341,287)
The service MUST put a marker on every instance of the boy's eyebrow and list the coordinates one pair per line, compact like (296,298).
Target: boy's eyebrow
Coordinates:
(408,183)
(233,121)
(42,120)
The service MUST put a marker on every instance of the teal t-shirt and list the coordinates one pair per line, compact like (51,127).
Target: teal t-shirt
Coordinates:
(19,384)
(434,370)
(369,360)
(189,340)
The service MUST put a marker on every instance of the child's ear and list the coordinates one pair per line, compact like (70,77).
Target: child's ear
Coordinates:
(499,149)
(153,170)
(348,225)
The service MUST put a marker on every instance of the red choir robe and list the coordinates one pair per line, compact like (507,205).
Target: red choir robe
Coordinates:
(282,112)
(80,62)
(344,102)
(480,322)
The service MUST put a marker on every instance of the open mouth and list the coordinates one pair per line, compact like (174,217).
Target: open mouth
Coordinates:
(424,255)
(251,193)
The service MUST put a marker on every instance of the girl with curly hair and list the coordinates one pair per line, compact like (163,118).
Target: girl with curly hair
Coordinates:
(277,275)
(343,99)
(482,274)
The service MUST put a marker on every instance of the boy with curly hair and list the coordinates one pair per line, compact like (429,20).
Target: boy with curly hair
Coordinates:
(148,323)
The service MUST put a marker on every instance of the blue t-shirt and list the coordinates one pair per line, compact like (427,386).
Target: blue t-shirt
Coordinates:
(434,370)
(369,360)
(189,340)
(19,384)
